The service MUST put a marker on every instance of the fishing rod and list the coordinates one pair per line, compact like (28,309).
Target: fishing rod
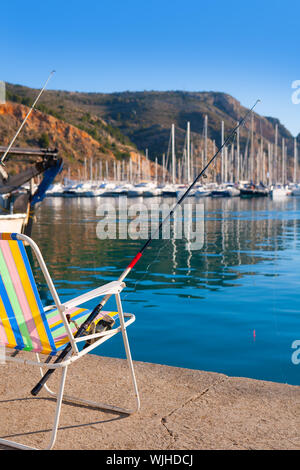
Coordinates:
(2,170)
(86,324)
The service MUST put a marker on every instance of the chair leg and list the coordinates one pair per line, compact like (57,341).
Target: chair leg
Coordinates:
(128,352)
(55,424)
(58,407)
(101,406)
(105,406)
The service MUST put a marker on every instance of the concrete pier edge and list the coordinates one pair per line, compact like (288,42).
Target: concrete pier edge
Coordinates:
(181,409)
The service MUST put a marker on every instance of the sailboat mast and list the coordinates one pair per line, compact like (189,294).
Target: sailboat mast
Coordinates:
(251,176)
(233,171)
(238,155)
(295,160)
(205,140)
(262,160)
(214,171)
(192,162)
(269,174)
(226,165)
(282,162)
(173,154)
(222,152)
(188,153)
(91,169)
(85,169)
(276,155)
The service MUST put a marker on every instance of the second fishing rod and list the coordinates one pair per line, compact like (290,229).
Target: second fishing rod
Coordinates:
(91,318)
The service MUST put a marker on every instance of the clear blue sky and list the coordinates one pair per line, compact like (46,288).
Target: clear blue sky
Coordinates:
(249,49)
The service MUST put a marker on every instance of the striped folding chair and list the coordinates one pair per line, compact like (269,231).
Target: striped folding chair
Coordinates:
(25,325)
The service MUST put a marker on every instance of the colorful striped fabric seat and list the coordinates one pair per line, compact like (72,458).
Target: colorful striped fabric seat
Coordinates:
(78,315)
(24,324)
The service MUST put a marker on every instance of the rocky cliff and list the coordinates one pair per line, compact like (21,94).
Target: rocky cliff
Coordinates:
(74,145)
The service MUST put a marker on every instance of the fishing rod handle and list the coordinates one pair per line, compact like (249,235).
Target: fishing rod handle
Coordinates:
(38,387)
(35,391)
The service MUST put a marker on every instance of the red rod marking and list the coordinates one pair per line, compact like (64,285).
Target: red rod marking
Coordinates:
(134,261)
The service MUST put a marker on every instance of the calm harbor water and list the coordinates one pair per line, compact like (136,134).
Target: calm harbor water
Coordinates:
(232,306)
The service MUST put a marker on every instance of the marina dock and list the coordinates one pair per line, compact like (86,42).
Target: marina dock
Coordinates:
(181,409)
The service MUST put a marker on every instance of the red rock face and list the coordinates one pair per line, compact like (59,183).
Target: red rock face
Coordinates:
(73,143)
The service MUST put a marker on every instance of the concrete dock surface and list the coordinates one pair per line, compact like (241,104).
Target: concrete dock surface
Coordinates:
(181,409)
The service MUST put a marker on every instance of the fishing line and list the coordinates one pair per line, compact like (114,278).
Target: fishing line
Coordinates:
(146,272)
(138,281)
(168,151)
(245,159)
(230,139)
(20,128)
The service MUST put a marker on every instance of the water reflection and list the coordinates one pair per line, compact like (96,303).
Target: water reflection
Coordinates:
(248,245)
(238,232)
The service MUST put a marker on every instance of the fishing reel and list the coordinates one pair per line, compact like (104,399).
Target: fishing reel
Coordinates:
(106,323)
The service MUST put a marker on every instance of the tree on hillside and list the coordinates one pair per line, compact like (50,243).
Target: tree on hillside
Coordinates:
(44,140)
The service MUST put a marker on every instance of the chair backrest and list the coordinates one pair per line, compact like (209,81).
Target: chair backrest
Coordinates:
(23,323)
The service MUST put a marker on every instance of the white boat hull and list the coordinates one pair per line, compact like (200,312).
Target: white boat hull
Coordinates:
(135,193)
(296,192)
(202,193)
(12,223)
(279,193)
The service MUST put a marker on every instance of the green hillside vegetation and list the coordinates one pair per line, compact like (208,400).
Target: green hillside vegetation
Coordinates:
(143,119)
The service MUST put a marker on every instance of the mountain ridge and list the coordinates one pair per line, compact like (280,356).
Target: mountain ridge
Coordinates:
(142,120)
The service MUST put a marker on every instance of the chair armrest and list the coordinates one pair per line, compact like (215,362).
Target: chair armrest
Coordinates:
(114,287)
(50,307)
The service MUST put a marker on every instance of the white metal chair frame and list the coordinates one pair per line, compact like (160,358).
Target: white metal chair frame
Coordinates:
(112,288)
